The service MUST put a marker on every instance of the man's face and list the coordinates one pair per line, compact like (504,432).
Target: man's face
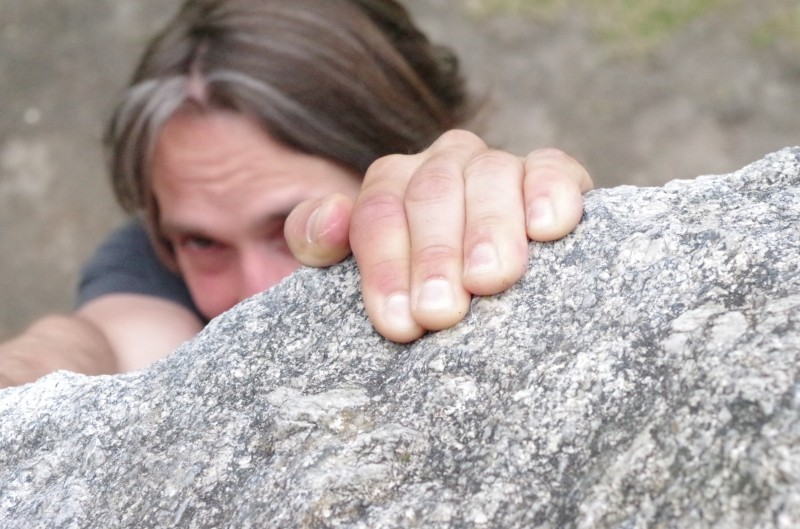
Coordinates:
(224,189)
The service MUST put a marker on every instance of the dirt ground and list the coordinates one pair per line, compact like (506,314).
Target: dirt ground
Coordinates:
(713,95)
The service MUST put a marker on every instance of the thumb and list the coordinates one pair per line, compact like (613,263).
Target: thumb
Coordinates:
(316,230)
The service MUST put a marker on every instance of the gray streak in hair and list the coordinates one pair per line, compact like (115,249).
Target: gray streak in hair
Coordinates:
(347,80)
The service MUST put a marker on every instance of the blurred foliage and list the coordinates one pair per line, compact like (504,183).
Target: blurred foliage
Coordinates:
(782,26)
(636,25)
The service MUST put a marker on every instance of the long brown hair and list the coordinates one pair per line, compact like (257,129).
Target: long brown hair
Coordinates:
(348,80)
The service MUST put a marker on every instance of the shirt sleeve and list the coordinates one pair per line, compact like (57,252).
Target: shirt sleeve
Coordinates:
(127,263)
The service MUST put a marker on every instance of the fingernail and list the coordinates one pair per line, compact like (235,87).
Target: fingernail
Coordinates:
(397,312)
(541,214)
(436,295)
(483,259)
(312,228)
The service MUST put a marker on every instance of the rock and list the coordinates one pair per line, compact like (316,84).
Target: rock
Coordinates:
(645,373)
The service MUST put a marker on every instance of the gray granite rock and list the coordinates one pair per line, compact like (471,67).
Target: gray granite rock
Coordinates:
(645,373)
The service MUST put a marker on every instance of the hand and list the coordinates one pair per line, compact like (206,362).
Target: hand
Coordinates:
(430,230)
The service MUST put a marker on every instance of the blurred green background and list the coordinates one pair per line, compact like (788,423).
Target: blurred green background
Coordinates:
(641,92)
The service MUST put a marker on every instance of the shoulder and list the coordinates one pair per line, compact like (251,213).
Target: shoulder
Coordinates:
(127,263)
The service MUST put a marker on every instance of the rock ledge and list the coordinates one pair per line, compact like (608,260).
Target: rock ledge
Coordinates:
(645,373)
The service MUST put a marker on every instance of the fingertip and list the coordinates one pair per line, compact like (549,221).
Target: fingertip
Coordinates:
(486,273)
(294,230)
(317,231)
(541,218)
(394,320)
(330,225)
(440,304)
(553,215)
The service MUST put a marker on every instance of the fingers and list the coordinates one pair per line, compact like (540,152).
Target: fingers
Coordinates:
(381,245)
(553,188)
(317,231)
(430,230)
(495,241)
(436,212)
(407,235)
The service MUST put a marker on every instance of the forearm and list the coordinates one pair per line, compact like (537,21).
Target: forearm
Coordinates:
(55,343)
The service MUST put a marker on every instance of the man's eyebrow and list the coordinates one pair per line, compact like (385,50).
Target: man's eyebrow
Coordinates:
(177,228)
(169,227)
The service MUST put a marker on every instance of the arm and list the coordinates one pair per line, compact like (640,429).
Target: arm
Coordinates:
(54,343)
(430,230)
(140,329)
(111,334)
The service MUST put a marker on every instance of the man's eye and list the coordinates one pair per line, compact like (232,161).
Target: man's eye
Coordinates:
(199,243)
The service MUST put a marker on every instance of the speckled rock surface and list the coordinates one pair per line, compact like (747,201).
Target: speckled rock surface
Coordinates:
(645,373)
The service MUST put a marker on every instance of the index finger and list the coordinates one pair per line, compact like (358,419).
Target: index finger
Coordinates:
(381,245)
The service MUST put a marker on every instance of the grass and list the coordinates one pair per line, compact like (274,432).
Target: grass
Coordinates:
(784,25)
(636,25)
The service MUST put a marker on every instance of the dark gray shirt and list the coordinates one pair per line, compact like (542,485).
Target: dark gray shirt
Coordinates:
(126,263)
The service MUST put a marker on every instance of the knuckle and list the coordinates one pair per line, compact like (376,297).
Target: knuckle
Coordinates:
(550,152)
(543,173)
(385,276)
(458,137)
(386,167)
(551,163)
(432,257)
(376,207)
(487,221)
(553,168)
(494,163)
(436,179)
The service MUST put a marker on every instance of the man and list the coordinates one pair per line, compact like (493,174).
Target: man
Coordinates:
(257,135)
